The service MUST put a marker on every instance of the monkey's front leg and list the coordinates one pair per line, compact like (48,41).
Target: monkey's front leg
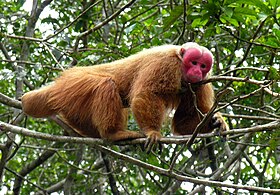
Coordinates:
(149,111)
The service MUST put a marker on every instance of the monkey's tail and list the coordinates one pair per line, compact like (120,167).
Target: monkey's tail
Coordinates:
(35,103)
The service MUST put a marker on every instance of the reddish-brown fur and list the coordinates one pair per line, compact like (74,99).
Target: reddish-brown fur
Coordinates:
(92,99)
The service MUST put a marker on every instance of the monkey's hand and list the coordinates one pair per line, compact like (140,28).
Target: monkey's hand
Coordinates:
(219,123)
(152,142)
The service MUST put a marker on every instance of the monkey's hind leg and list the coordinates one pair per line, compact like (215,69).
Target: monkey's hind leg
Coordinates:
(108,114)
(34,103)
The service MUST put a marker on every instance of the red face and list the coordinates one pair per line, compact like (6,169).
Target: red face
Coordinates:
(197,63)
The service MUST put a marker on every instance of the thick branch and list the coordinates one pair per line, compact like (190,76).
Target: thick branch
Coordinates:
(108,168)
(167,140)
(9,101)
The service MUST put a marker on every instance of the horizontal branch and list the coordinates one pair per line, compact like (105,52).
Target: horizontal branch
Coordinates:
(4,99)
(18,61)
(240,79)
(21,37)
(246,68)
(266,127)
(237,79)
(166,140)
(97,143)
(269,111)
(250,117)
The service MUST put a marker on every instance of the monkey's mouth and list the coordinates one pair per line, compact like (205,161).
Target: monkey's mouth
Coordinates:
(194,79)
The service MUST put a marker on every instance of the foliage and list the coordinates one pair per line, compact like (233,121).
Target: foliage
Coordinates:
(37,44)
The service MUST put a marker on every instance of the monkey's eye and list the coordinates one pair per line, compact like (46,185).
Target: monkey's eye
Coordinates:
(194,62)
(203,66)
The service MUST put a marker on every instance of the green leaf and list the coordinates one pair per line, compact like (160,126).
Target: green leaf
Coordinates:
(226,19)
(222,18)
(277,33)
(274,3)
(78,25)
(233,21)
(218,29)
(274,74)
(50,20)
(272,41)
(259,3)
(228,11)
(20,2)
(174,15)
(245,11)
(63,43)
(239,17)
(196,22)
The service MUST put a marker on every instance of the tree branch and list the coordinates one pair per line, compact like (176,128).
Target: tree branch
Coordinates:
(167,140)
(9,101)
(112,180)
(230,78)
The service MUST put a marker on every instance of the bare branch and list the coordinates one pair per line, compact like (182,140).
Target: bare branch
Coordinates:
(244,68)
(22,37)
(230,78)
(111,178)
(250,117)
(273,93)
(9,101)
(166,140)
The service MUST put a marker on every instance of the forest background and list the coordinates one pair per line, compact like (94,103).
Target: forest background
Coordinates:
(39,39)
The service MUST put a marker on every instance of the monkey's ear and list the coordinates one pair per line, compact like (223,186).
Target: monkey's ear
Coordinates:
(182,52)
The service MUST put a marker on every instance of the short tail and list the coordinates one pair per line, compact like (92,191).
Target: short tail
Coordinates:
(35,103)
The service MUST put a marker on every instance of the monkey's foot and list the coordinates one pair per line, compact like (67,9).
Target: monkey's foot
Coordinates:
(217,121)
(152,142)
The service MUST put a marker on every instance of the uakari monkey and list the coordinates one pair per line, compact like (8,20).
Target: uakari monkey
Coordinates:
(93,100)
